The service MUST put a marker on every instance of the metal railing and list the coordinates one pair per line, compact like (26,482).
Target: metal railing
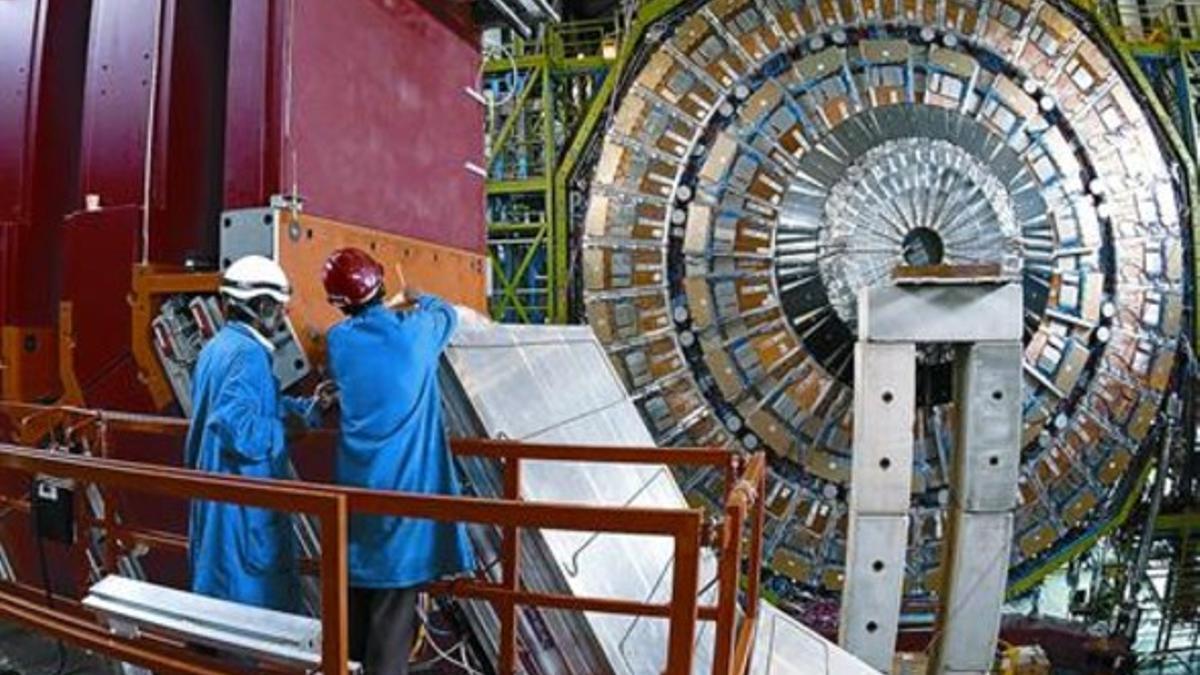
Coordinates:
(590,38)
(1161,21)
(570,40)
(328,507)
(689,529)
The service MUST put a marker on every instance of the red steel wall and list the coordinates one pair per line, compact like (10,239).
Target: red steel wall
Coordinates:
(42,51)
(151,158)
(168,111)
(381,126)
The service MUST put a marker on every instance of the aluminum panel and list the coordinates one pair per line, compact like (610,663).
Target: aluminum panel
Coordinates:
(783,645)
(488,363)
(246,630)
(491,362)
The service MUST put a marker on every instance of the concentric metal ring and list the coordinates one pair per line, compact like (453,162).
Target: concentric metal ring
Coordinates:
(773,156)
(914,200)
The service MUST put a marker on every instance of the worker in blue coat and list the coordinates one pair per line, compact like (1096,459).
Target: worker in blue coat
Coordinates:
(384,364)
(240,553)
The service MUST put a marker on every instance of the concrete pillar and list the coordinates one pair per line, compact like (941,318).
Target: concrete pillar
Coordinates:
(881,484)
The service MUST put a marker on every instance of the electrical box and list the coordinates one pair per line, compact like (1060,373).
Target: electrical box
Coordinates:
(52,502)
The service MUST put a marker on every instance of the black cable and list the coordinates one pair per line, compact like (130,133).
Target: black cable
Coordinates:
(44,567)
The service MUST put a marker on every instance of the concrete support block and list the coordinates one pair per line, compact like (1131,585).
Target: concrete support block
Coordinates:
(870,615)
(940,313)
(977,573)
(884,409)
(881,475)
(988,449)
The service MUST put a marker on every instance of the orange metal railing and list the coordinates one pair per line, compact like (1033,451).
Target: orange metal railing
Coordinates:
(327,506)
(689,529)
(744,487)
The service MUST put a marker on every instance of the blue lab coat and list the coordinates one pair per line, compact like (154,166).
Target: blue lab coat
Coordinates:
(241,553)
(385,364)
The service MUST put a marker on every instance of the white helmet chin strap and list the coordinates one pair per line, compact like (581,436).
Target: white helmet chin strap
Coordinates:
(256,318)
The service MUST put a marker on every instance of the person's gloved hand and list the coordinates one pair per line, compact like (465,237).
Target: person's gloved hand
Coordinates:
(407,297)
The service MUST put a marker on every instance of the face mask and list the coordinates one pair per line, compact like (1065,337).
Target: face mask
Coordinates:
(270,315)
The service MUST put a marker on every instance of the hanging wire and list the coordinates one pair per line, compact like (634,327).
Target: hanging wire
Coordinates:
(152,110)
(572,567)
(462,661)
(289,105)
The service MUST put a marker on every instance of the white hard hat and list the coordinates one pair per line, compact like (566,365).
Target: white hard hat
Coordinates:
(254,276)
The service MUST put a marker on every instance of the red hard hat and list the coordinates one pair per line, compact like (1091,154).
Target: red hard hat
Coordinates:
(351,277)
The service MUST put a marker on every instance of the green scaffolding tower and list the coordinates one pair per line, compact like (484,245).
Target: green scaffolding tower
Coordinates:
(537,91)
(545,96)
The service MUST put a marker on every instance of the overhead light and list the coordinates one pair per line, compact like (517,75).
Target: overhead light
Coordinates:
(608,48)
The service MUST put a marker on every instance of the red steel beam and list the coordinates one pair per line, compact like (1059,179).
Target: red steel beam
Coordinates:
(510,555)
